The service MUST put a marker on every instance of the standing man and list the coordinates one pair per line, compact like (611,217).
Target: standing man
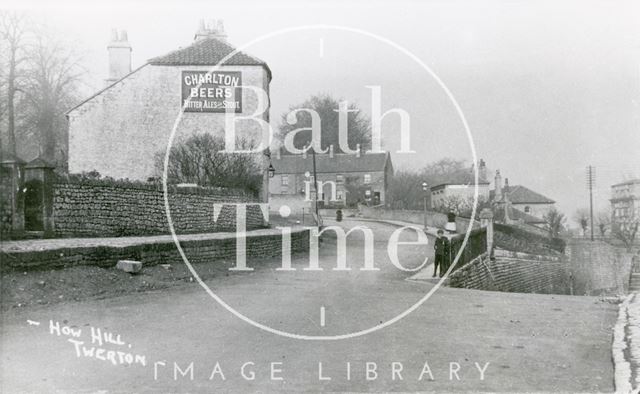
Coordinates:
(441,247)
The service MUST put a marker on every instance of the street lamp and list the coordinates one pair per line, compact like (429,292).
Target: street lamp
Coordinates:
(271,170)
(425,189)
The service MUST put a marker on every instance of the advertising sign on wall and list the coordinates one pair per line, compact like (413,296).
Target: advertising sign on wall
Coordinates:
(217,91)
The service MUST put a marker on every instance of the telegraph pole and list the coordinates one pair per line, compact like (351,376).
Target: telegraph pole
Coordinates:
(591,181)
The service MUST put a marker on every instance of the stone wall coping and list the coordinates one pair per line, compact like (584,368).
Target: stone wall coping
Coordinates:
(40,245)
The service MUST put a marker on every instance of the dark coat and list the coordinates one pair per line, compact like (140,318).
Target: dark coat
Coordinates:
(441,246)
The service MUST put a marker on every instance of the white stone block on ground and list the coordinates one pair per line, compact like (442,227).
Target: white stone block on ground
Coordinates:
(130,266)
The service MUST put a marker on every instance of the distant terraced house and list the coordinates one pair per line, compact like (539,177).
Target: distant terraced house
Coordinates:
(367,174)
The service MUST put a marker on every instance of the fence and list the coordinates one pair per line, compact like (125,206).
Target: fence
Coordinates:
(476,246)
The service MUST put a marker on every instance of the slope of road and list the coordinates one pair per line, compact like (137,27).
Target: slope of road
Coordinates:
(489,341)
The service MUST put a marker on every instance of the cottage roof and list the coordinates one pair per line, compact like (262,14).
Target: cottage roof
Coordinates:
(340,163)
(519,194)
(629,182)
(462,178)
(516,214)
(207,52)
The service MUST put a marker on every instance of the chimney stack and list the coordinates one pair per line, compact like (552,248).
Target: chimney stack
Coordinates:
(482,170)
(498,186)
(212,29)
(119,56)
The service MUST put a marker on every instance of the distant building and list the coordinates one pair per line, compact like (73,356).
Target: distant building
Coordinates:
(518,203)
(119,130)
(366,173)
(461,186)
(625,201)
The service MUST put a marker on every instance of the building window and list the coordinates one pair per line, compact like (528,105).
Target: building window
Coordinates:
(285,180)
(340,195)
(339,178)
(527,209)
(367,178)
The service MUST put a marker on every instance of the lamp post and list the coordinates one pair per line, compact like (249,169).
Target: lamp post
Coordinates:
(425,189)
(271,170)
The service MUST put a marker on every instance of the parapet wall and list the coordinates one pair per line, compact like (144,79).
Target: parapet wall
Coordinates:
(514,272)
(434,219)
(599,268)
(214,248)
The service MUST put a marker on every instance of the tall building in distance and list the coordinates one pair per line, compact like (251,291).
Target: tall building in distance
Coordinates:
(625,203)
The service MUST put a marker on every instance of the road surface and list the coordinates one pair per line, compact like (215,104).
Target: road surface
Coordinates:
(458,340)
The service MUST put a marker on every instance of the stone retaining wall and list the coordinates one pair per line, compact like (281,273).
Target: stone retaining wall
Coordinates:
(599,268)
(514,272)
(108,209)
(154,252)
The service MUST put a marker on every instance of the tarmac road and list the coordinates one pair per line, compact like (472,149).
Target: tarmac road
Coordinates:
(458,340)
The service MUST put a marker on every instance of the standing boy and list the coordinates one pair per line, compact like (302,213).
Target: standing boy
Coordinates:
(441,247)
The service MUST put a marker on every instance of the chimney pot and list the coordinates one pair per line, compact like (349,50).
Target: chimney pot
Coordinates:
(119,56)
(498,186)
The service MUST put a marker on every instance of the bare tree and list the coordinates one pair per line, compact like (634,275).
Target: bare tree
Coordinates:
(554,222)
(199,159)
(581,216)
(603,221)
(14,36)
(50,88)
(40,83)
(625,230)
(358,126)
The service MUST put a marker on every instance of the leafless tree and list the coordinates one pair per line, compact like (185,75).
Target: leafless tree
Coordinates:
(626,229)
(50,88)
(554,222)
(199,159)
(603,221)
(358,126)
(14,36)
(40,83)
(581,216)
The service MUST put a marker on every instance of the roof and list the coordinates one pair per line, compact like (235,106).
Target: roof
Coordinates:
(462,178)
(516,214)
(518,194)
(204,52)
(340,163)
(208,52)
(629,182)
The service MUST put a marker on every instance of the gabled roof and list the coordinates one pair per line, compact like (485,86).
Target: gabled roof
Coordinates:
(204,52)
(629,182)
(208,52)
(340,163)
(522,195)
(516,214)
(462,178)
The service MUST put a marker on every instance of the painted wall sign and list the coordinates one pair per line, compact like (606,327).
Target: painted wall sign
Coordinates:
(217,91)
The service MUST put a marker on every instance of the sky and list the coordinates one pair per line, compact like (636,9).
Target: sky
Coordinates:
(546,87)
